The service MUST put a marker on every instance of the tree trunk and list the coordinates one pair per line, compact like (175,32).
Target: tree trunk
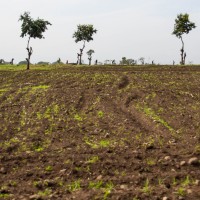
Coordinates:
(90,59)
(183,54)
(30,51)
(81,53)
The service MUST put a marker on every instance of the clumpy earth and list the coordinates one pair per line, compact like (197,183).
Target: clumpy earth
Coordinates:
(120,133)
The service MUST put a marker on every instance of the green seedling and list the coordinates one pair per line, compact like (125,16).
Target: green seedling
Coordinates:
(95,185)
(39,115)
(13,183)
(174,182)
(151,161)
(77,117)
(138,136)
(147,189)
(49,168)
(186,182)
(108,189)
(197,149)
(160,181)
(76,185)
(90,143)
(46,192)
(39,149)
(104,143)
(100,114)
(181,191)
(5,196)
(56,109)
(151,96)
(93,159)
(44,87)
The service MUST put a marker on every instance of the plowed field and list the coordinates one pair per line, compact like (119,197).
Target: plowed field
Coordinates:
(100,133)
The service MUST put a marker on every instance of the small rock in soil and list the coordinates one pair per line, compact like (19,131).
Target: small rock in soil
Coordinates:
(165,198)
(182,163)
(189,191)
(99,177)
(124,187)
(197,182)
(193,161)
(35,197)
(167,158)
(3,170)
(62,171)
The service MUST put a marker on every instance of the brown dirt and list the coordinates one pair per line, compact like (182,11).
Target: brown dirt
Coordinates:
(100,133)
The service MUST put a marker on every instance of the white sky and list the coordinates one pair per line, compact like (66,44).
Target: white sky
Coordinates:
(126,28)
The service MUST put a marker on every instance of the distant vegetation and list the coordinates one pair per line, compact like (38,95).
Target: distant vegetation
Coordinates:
(84,33)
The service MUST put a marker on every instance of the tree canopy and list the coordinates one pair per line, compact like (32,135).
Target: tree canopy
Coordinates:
(33,28)
(84,33)
(182,25)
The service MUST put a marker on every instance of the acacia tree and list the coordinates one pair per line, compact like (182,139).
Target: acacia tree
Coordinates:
(89,53)
(182,26)
(33,29)
(84,33)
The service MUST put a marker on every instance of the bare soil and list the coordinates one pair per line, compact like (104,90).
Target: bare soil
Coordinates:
(100,133)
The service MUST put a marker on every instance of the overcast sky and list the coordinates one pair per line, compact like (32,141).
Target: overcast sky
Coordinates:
(126,28)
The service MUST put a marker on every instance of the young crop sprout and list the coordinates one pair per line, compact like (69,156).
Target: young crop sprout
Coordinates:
(33,29)
(182,25)
(84,33)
